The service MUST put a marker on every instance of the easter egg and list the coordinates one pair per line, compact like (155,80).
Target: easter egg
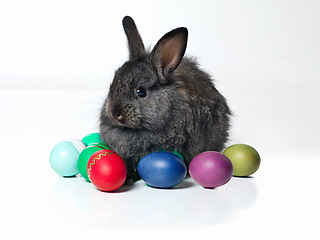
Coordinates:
(64,157)
(106,170)
(93,138)
(245,159)
(211,169)
(85,156)
(162,169)
(178,154)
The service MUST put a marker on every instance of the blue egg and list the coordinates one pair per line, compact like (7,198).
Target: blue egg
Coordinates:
(162,169)
(64,157)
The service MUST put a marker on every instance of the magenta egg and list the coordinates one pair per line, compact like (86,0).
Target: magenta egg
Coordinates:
(211,169)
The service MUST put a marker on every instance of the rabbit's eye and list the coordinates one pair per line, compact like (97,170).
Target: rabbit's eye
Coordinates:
(141,92)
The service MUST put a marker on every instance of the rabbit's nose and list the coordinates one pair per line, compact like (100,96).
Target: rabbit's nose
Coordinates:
(116,112)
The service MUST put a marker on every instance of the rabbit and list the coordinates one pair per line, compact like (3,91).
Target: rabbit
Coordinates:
(162,100)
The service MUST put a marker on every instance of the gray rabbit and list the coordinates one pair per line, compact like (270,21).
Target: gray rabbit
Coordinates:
(162,101)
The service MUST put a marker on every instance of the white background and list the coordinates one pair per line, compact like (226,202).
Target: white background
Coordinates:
(57,59)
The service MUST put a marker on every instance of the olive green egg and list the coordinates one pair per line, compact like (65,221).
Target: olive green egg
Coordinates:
(245,159)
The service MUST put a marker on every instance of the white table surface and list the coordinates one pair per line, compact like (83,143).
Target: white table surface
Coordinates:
(280,201)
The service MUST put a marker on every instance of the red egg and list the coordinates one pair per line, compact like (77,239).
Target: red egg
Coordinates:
(106,170)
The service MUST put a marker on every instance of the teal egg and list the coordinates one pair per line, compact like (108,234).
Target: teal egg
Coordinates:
(64,157)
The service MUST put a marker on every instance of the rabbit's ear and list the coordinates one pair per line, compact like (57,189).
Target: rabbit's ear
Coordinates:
(168,52)
(136,47)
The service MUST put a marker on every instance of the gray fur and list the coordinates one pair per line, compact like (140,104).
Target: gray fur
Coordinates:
(182,110)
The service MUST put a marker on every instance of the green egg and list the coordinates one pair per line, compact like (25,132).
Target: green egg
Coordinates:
(177,153)
(245,159)
(92,138)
